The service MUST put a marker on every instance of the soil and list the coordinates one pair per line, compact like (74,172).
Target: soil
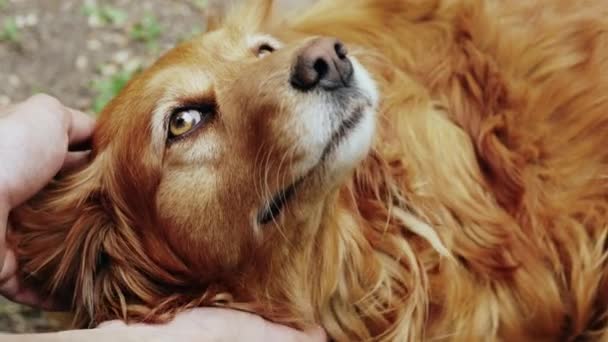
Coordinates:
(62,51)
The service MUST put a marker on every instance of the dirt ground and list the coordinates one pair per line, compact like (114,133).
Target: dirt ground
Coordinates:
(82,52)
(71,48)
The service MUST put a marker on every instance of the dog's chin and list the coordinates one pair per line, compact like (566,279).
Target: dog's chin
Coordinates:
(352,140)
(348,146)
(345,147)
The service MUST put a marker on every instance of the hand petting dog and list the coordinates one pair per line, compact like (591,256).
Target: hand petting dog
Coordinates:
(40,138)
(35,141)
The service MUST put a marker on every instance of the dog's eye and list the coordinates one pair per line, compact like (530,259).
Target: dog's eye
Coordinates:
(184,121)
(264,50)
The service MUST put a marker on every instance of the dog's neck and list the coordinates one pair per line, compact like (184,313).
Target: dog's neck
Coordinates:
(358,275)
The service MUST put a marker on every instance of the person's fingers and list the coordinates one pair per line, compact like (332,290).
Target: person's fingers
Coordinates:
(26,296)
(252,326)
(4,210)
(32,298)
(74,159)
(277,332)
(314,334)
(80,130)
(111,324)
(11,287)
(7,272)
(6,110)
(218,324)
(79,126)
(47,105)
(9,284)
(35,136)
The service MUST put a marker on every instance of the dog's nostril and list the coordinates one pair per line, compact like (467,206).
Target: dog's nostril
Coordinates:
(322,63)
(321,68)
(340,50)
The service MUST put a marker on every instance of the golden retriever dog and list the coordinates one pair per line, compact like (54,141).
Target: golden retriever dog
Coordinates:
(393,170)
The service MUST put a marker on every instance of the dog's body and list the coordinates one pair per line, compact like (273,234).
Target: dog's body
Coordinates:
(480,212)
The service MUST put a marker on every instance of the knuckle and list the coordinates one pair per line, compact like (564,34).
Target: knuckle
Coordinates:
(45,100)
(50,107)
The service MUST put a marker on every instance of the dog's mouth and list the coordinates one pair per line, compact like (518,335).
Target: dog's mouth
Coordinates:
(276,204)
(273,208)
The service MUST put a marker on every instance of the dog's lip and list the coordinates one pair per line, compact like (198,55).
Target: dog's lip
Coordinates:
(276,204)
(274,207)
(346,126)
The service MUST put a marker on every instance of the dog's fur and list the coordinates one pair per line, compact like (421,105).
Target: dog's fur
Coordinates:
(479,213)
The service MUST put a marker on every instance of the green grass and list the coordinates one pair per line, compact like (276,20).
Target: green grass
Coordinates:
(107,88)
(9,31)
(201,4)
(106,14)
(3,4)
(38,89)
(148,30)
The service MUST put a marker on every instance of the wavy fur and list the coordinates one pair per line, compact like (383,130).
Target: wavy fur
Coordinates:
(480,214)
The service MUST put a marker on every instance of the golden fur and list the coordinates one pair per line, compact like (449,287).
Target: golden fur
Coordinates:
(480,213)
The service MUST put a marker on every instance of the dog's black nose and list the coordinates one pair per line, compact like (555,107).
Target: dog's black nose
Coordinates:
(323,62)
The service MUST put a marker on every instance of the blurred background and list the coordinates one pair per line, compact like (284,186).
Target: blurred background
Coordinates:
(83,52)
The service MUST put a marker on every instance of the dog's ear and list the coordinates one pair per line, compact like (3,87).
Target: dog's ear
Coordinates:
(76,242)
(58,235)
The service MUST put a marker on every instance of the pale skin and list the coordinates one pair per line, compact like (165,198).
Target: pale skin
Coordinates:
(35,140)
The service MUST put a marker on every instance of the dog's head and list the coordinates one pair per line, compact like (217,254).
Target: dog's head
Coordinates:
(221,152)
(236,133)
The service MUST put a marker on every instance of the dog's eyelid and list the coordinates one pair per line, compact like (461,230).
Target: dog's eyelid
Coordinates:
(266,47)
(203,107)
(262,45)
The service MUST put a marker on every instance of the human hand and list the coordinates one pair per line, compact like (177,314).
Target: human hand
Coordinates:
(216,324)
(35,136)
(196,325)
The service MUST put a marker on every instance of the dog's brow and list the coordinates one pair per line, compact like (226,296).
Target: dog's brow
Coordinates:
(179,86)
(178,81)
